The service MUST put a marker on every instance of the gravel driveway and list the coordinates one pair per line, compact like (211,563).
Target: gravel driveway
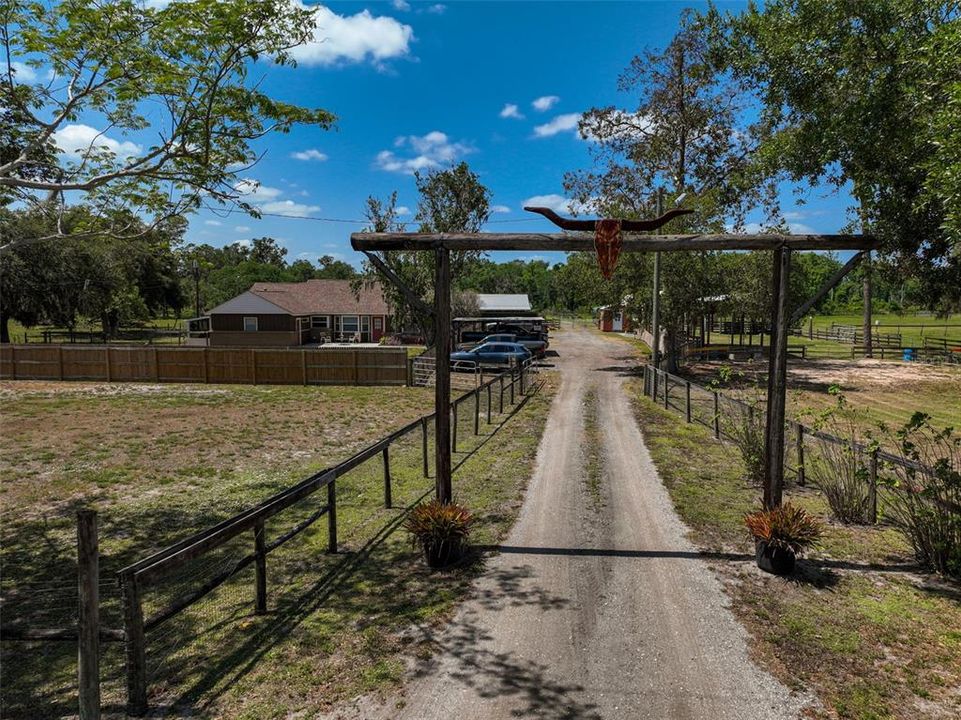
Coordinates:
(594,609)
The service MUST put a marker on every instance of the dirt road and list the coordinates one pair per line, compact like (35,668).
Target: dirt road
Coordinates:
(597,605)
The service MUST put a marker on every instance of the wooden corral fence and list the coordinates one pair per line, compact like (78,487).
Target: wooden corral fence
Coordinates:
(712,409)
(265,366)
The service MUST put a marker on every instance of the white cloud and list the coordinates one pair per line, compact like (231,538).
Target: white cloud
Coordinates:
(561,123)
(402,210)
(254,193)
(557,203)
(801,229)
(311,154)
(241,228)
(353,38)
(427,151)
(500,209)
(545,102)
(401,5)
(213,223)
(288,208)
(510,111)
(437,9)
(23,73)
(77,141)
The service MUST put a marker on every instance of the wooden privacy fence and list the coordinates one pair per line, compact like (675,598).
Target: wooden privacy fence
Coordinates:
(712,409)
(141,575)
(280,366)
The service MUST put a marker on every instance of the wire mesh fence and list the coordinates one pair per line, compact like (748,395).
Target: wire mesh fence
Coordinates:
(201,608)
(805,448)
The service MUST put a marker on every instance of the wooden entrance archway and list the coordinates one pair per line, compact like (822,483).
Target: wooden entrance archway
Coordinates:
(782,245)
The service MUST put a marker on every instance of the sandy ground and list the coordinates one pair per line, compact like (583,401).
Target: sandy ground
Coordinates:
(594,611)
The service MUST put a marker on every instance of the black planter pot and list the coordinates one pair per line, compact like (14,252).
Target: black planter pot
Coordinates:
(773,560)
(442,554)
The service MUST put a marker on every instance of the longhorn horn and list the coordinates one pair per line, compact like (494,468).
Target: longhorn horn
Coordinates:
(589,225)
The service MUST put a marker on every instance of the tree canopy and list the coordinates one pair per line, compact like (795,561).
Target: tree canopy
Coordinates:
(178,75)
(864,96)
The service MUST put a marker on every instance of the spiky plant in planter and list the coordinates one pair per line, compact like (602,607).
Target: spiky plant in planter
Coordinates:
(440,530)
(780,535)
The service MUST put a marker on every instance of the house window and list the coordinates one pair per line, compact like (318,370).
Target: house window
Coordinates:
(250,324)
(349,323)
(318,322)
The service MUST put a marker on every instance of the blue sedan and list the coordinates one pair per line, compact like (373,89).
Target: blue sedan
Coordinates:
(490,353)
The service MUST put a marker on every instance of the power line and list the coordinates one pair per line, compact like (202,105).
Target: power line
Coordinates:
(231,211)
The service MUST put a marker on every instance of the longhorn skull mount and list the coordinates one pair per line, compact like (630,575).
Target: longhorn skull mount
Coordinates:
(591,225)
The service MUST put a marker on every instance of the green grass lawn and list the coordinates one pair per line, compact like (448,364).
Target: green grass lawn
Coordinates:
(161,462)
(912,327)
(856,626)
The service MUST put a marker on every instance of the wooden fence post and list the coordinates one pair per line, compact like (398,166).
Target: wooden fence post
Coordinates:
(260,581)
(386,454)
(88,586)
(332,516)
(253,366)
(488,403)
(477,411)
(513,382)
(106,352)
(423,428)
(135,646)
(501,411)
(873,487)
(687,403)
(303,366)
(667,392)
(59,361)
(799,444)
(156,365)
(453,428)
(717,416)
(205,362)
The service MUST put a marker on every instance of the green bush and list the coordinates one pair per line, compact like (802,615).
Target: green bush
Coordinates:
(923,493)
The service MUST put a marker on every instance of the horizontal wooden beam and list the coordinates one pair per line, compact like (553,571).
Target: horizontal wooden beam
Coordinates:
(631,243)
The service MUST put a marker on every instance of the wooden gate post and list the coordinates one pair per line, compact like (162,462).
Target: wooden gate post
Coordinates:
(687,400)
(387,493)
(777,382)
(88,586)
(260,581)
(423,429)
(442,433)
(134,646)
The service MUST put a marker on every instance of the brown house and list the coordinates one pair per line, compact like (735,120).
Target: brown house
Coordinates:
(281,314)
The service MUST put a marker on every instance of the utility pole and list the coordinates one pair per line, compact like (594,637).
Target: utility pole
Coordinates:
(196,271)
(656,305)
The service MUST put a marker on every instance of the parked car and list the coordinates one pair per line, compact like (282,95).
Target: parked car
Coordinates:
(487,354)
(535,345)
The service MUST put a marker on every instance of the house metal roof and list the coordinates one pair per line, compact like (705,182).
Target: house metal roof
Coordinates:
(503,303)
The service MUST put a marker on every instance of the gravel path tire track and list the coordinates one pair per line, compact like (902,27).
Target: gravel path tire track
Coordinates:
(595,610)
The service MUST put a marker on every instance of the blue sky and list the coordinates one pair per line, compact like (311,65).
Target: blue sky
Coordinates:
(497,84)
